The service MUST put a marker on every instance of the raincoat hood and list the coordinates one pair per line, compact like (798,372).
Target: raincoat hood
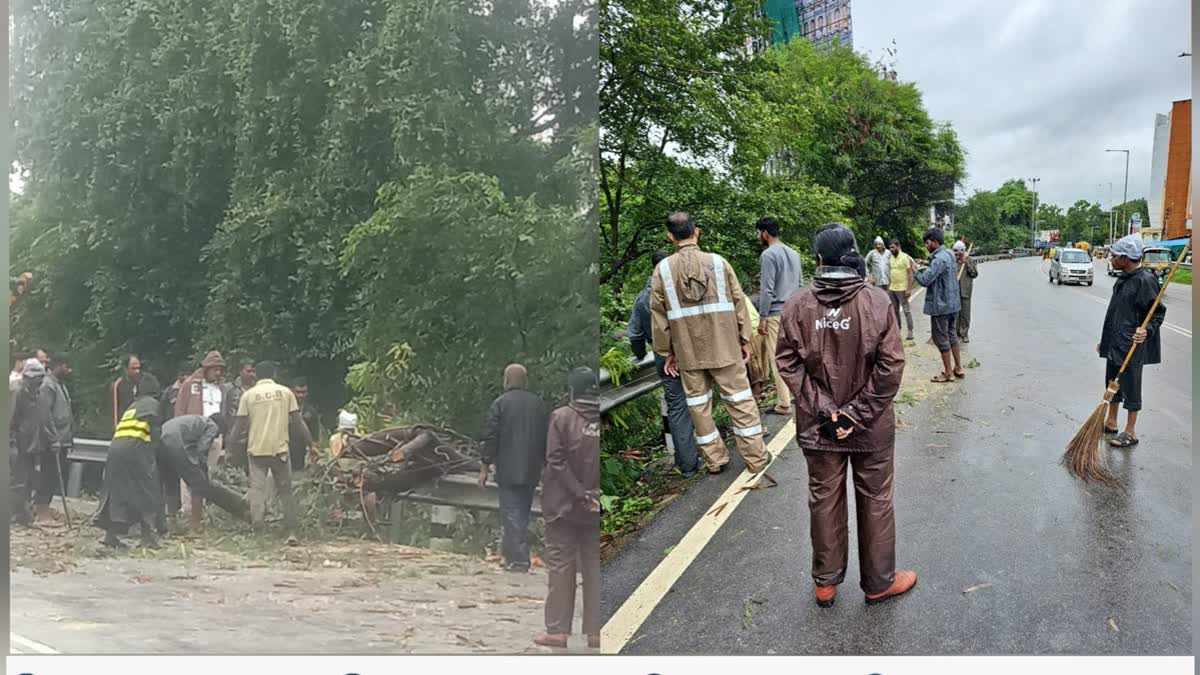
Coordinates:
(835,286)
(694,276)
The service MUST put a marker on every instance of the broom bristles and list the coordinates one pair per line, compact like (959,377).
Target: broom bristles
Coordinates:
(1083,458)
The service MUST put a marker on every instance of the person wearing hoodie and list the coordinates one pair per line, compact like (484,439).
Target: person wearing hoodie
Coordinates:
(132,494)
(841,355)
(25,441)
(514,448)
(571,509)
(702,330)
(203,393)
(679,421)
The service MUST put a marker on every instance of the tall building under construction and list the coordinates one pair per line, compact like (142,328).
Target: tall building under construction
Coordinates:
(821,22)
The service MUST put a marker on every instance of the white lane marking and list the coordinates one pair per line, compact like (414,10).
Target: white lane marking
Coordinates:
(1178,329)
(31,645)
(637,607)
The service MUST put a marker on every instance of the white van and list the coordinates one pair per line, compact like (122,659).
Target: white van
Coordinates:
(1071,266)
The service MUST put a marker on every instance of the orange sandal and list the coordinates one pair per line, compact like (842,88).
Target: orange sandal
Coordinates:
(825,595)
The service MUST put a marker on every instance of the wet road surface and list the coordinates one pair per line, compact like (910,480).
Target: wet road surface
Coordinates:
(1014,556)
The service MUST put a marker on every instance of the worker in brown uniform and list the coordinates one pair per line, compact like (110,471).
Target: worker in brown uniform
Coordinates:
(571,508)
(702,328)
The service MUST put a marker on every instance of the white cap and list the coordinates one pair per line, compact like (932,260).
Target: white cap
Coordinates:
(878,240)
(959,246)
(347,421)
(1129,246)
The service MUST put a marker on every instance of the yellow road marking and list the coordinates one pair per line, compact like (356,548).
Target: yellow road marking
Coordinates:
(621,628)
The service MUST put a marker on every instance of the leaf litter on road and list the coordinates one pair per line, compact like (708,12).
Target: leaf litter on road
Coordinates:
(977,587)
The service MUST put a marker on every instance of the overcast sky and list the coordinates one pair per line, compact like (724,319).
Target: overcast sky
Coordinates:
(1039,88)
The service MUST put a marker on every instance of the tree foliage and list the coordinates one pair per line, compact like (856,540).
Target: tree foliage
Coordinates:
(193,173)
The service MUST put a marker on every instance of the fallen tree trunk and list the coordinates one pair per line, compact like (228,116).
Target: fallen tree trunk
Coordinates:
(401,459)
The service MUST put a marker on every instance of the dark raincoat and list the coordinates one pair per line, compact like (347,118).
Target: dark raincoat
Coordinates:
(132,493)
(1132,296)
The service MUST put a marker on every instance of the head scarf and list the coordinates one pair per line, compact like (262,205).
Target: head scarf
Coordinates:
(1129,246)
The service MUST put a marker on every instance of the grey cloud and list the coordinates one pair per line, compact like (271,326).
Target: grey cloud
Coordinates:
(1038,88)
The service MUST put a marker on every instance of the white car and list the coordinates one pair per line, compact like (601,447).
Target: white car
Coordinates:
(1071,266)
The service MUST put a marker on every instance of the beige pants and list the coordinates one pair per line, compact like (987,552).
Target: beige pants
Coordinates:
(733,385)
(769,343)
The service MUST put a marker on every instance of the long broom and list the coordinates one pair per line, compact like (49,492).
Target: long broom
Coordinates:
(1083,458)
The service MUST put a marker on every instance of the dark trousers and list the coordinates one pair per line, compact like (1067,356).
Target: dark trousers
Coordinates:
(964,319)
(1129,385)
(22,471)
(900,302)
(48,481)
(572,548)
(169,477)
(679,420)
(873,473)
(177,465)
(297,452)
(515,503)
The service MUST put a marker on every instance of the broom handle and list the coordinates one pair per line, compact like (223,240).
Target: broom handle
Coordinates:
(1154,305)
(964,265)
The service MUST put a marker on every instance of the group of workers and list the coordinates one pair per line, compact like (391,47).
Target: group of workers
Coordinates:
(837,359)
(162,438)
(522,447)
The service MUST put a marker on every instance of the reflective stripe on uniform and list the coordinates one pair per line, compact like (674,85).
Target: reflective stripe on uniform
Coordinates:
(719,275)
(708,438)
(675,311)
(749,431)
(131,427)
(737,396)
(693,401)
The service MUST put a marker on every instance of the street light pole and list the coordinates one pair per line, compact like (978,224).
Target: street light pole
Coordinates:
(1125,195)
(1033,216)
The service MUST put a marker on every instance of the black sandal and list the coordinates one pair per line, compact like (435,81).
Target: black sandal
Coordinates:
(941,379)
(1123,440)
(960,375)
(1111,432)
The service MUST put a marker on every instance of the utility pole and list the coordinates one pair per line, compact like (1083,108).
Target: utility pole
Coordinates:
(1125,195)
(1034,215)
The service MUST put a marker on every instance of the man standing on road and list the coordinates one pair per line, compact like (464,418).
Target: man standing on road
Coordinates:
(183,454)
(58,421)
(1133,293)
(514,446)
(841,354)
(900,283)
(966,284)
(124,388)
(202,393)
(25,442)
(942,303)
(702,331)
(571,508)
(267,417)
(780,275)
(640,331)
(879,265)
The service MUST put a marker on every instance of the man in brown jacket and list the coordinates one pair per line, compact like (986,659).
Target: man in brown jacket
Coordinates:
(840,354)
(571,509)
(203,393)
(702,328)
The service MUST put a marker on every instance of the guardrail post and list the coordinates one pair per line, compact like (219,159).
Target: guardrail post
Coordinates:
(441,518)
(669,440)
(75,481)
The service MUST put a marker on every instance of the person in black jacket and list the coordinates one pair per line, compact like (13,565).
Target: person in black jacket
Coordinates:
(1133,293)
(514,447)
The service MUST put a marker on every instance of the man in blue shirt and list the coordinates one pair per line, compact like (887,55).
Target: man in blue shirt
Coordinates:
(942,302)
(679,420)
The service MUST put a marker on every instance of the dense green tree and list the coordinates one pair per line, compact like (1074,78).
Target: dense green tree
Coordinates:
(193,173)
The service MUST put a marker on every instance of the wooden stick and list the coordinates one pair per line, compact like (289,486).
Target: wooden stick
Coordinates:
(1154,305)
(964,265)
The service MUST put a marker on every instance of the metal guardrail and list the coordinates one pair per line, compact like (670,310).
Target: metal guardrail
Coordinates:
(457,490)
(644,378)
